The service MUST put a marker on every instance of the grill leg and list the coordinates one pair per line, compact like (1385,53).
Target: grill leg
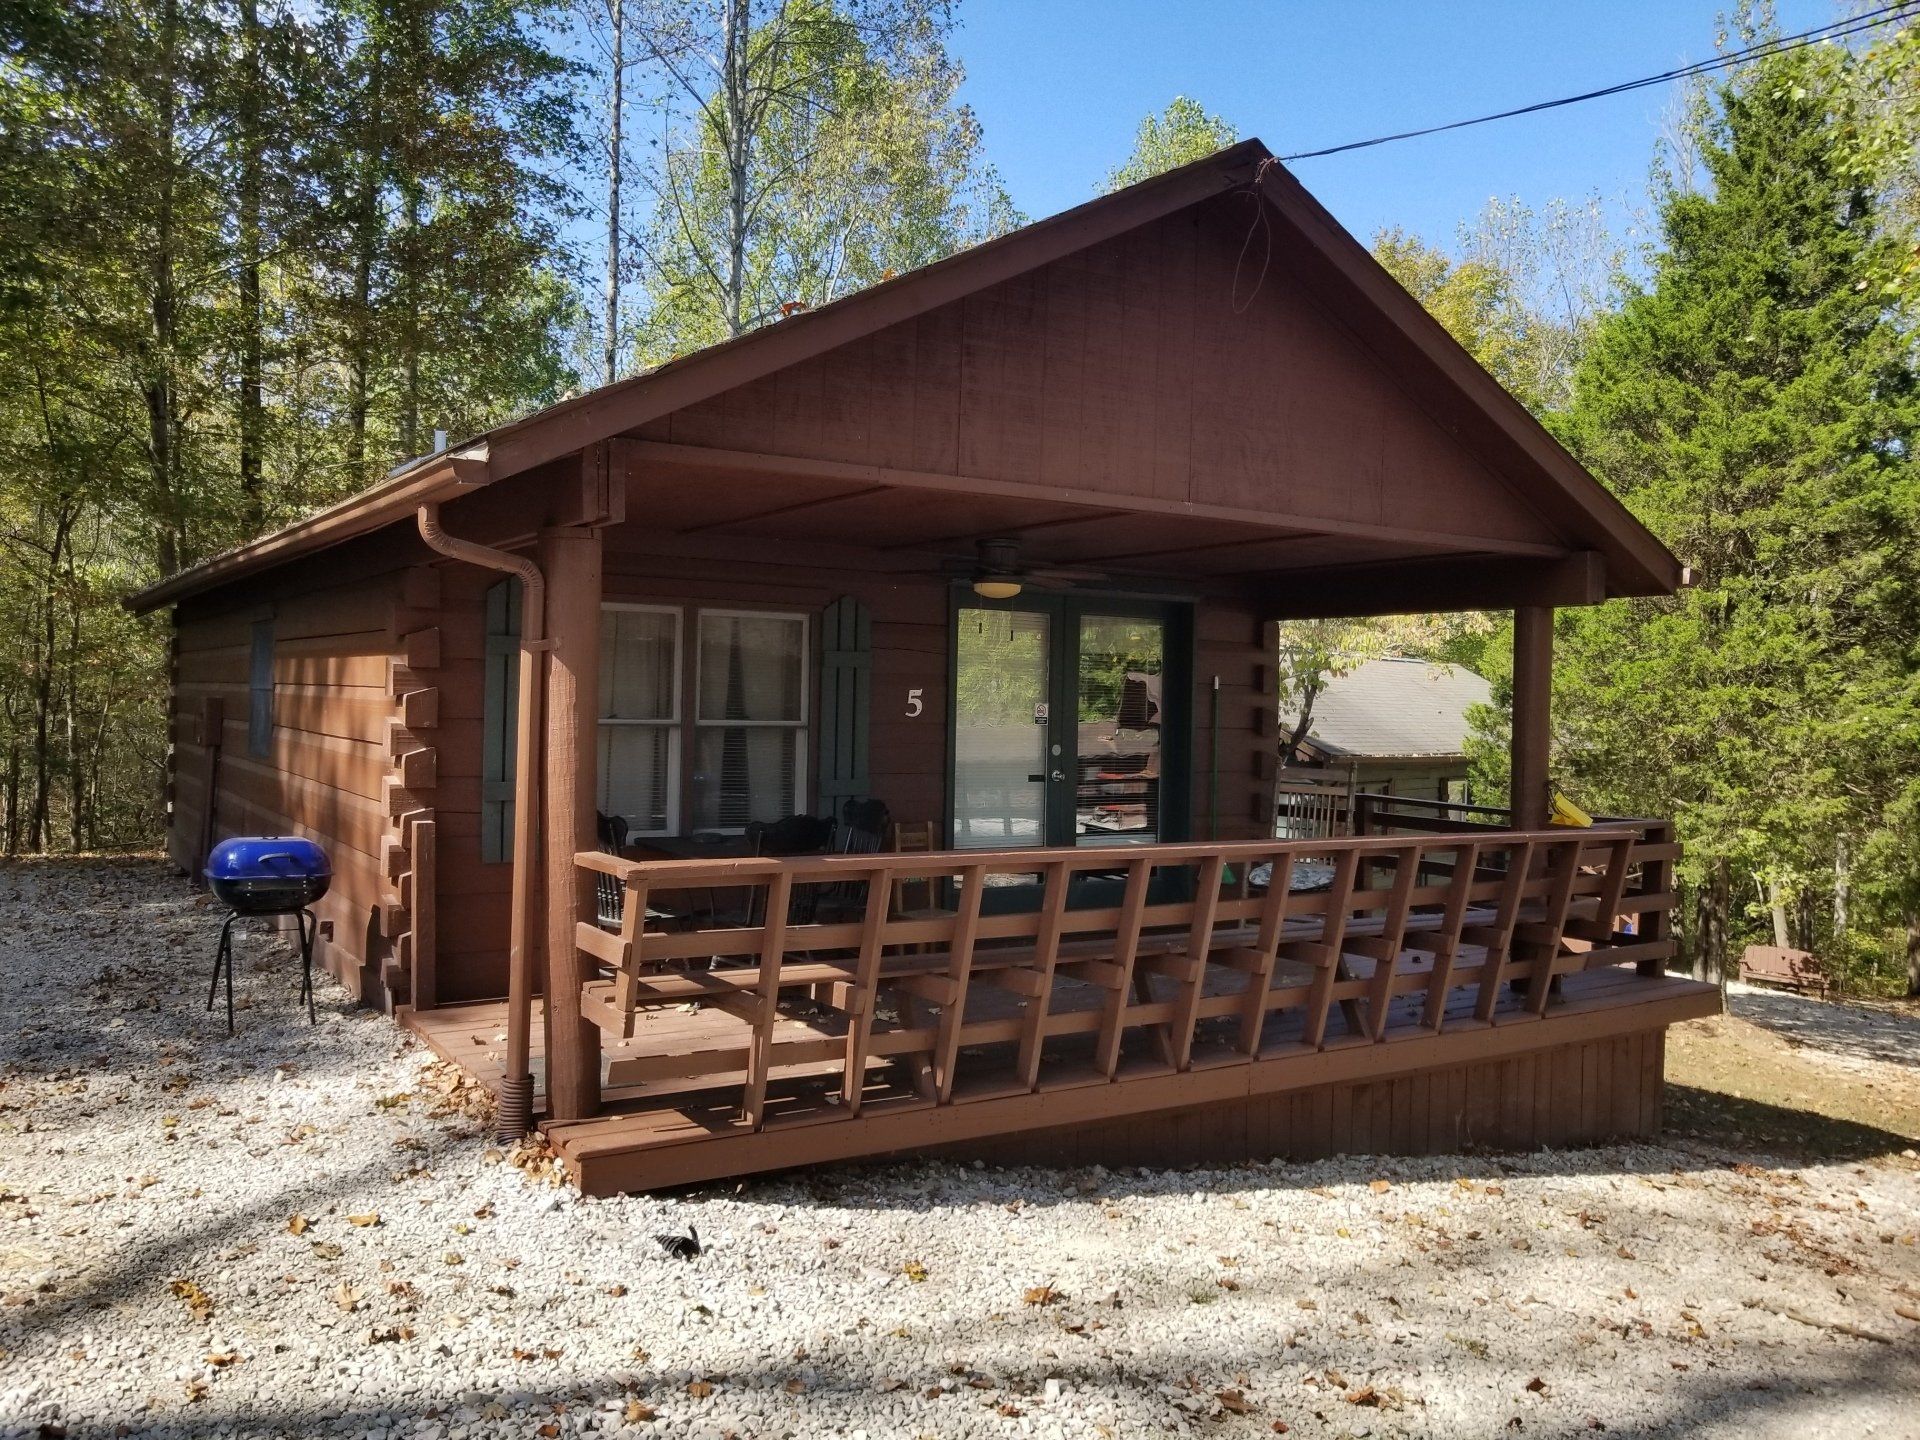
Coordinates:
(226,956)
(308,927)
(223,963)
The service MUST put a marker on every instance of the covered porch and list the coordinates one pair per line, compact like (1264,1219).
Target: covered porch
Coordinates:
(1000,547)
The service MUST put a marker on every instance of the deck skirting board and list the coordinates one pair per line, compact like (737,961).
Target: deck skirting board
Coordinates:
(1587,1071)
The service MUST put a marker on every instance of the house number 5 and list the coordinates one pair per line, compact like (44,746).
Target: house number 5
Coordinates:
(914,706)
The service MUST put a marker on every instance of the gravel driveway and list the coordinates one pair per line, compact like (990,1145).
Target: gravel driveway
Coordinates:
(303,1231)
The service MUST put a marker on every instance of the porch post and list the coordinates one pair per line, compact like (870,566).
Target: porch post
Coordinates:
(1532,713)
(571,559)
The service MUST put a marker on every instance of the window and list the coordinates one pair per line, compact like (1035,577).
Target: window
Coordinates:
(749,759)
(640,716)
(260,692)
(736,753)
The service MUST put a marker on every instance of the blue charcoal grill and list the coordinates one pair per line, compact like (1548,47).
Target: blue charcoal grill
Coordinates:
(267,875)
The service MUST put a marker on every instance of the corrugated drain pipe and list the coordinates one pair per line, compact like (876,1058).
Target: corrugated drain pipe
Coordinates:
(516,1087)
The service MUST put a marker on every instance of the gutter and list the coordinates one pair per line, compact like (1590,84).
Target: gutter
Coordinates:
(425,482)
(515,1116)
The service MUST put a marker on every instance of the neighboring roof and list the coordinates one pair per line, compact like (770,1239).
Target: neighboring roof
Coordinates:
(1379,312)
(1398,708)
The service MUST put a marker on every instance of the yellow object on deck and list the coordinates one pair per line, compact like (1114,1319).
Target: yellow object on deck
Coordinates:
(1565,812)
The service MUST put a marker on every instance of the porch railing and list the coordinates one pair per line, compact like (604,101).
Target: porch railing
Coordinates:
(1017,971)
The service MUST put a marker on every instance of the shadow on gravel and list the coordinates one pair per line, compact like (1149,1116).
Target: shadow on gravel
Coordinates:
(1888,1033)
(1859,1371)
(1754,1125)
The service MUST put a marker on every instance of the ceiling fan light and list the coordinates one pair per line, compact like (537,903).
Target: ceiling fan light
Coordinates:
(996,587)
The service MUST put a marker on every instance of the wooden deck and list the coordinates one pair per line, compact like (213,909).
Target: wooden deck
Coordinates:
(1079,989)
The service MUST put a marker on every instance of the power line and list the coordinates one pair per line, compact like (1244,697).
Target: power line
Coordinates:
(1839,30)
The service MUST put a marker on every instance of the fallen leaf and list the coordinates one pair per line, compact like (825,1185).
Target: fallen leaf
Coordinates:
(454,1257)
(346,1297)
(198,1302)
(1234,1402)
(795,1385)
(699,1389)
(220,1359)
(326,1250)
(298,1225)
(1537,1385)
(914,1271)
(1379,1187)
(1365,1395)
(636,1413)
(1043,1295)
(371,1217)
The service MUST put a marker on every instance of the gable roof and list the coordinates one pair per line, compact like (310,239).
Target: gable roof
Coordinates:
(1381,314)
(1396,707)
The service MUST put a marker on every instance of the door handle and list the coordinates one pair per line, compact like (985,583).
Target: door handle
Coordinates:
(1057,776)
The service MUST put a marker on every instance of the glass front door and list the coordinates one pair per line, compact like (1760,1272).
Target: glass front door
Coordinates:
(1064,714)
(1003,665)
(1119,672)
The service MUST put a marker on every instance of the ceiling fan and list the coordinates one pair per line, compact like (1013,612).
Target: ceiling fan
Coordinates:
(998,572)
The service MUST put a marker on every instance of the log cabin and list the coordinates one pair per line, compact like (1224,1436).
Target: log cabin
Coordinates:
(1001,545)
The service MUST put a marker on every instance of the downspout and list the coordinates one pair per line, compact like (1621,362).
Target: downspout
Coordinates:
(516,1087)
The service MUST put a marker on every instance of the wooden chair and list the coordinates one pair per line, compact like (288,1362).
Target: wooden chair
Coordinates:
(916,898)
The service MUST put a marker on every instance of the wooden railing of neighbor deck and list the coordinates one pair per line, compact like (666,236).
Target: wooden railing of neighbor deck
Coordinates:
(1649,903)
(1059,968)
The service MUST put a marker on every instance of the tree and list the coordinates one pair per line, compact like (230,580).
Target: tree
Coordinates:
(813,149)
(1755,404)
(1178,135)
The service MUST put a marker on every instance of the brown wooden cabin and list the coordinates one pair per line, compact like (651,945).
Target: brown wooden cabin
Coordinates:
(1195,407)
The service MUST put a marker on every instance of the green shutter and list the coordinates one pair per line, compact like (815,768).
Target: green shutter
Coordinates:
(499,710)
(846,688)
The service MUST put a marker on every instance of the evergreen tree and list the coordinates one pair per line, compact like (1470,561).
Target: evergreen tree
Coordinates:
(1754,403)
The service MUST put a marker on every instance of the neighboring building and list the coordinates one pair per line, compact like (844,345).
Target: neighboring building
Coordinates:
(1396,726)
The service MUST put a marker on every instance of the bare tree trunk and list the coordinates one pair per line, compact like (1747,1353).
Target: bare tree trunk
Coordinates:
(1290,748)
(1708,942)
(252,345)
(739,151)
(1777,907)
(40,815)
(1913,956)
(611,319)
(410,444)
(158,388)
(366,241)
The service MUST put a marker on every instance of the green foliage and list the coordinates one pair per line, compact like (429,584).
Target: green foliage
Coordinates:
(826,151)
(1755,404)
(1179,135)
(250,256)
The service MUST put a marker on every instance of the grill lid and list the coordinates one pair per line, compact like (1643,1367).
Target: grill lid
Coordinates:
(267,857)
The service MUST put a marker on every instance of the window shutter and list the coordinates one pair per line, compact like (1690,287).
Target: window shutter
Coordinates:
(499,710)
(846,687)
(260,692)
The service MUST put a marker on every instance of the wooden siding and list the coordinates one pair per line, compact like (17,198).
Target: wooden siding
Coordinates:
(350,760)
(1577,1094)
(910,628)
(1128,369)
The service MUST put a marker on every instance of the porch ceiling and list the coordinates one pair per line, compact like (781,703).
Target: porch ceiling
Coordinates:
(688,500)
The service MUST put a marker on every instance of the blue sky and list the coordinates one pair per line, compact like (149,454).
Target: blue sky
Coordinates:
(1061,85)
